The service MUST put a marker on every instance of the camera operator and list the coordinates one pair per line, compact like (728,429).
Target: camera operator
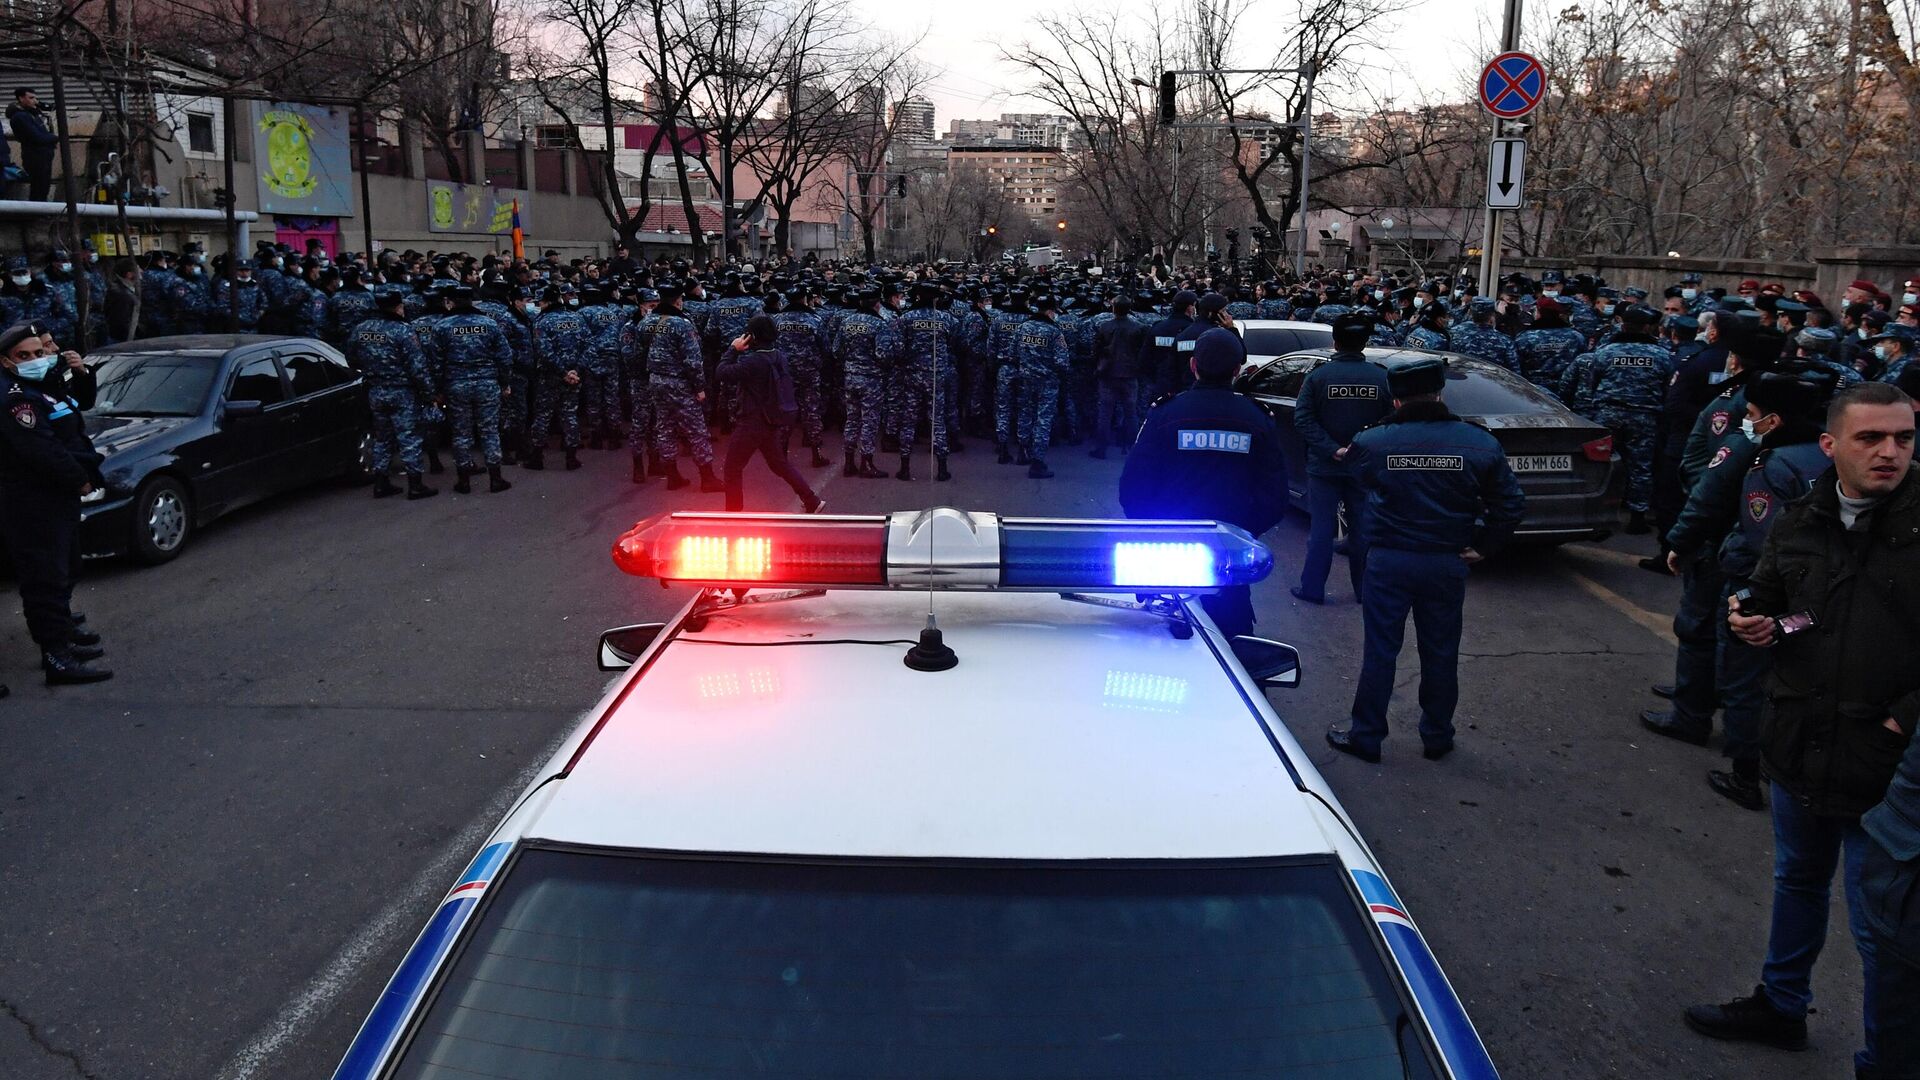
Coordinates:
(1835,598)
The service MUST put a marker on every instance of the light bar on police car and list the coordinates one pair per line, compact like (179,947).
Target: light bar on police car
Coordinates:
(941,548)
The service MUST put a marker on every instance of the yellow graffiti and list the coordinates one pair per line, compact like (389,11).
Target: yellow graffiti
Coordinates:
(289,166)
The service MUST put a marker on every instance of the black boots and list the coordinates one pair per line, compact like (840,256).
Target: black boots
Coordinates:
(850,469)
(573,458)
(869,470)
(674,480)
(1004,458)
(639,469)
(1037,470)
(495,482)
(536,459)
(708,481)
(942,474)
(433,461)
(906,468)
(1637,523)
(417,488)
(65,669)
(383,486)
(462,486)
(820,460)
(656,465)
(1020,458)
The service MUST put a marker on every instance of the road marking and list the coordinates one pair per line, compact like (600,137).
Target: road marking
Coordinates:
(1661,626)
(1600,554)
(391,925)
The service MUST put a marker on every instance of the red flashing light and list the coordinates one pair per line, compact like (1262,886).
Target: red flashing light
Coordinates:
(703,549)
(1600,449)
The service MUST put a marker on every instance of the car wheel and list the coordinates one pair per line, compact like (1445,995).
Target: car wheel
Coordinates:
(162,520)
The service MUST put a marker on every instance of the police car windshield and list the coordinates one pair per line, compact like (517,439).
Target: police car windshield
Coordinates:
(595,966)
(154,384)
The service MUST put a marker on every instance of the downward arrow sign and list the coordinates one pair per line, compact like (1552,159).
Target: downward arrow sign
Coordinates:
(1506,169)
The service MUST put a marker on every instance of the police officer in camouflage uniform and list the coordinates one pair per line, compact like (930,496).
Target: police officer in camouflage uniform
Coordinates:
(398,378)
(64,315)
(514,391)
(1480,340)
(194,299)
(675,378)
(922,339)
(1430,330)
(600,375)
(158,286)
(475,360)
(1630,379)
(560,345)
(348,307)
(859,346)
(635,341)
(252,302)
(1006,374)
(1040,349)
(802,339)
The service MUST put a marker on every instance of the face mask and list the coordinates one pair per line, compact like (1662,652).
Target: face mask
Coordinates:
(1881,352)
(573,303)
(23,280)
(1862,332)
(35,370)
(1550,292)
(1908,298)
(1747,429)
(1715,378)
(1379,294)
(1605,309)
(1688,294)
(1419,303)
(67,268)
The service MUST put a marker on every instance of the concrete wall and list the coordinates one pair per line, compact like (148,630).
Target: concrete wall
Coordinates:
(1656,273)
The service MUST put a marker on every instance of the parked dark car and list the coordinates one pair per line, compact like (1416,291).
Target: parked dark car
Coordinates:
(196,426)
(1566,463)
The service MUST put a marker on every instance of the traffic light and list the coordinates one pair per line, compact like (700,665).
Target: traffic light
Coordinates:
(1061,225)
(1168,109)
(900,185)
(993,230)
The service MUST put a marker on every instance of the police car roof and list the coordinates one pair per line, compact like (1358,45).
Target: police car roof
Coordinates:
(1067,731)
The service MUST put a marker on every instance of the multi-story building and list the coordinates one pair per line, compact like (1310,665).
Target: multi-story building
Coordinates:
(1030,129)
(913,120)
(1030,175)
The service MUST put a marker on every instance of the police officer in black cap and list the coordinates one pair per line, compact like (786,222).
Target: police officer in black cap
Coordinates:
(1337,401)
(1440,497)
(1210,453)
(46,464)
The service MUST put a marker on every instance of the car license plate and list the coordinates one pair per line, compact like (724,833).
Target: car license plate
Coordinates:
(1538,463)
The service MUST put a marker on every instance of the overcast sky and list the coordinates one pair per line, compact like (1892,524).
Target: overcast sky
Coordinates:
(963,38)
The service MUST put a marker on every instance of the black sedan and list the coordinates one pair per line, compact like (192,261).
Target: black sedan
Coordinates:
(1565,463)
(195,426)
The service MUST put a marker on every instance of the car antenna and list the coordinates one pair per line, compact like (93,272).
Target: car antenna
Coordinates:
(932,654)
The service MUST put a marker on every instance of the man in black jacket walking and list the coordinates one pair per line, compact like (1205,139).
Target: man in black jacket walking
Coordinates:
(1836,600)
(768,409)
(1119,346)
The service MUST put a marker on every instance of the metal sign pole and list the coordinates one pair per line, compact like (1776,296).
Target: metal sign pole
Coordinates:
(1306,172)
(1490,233)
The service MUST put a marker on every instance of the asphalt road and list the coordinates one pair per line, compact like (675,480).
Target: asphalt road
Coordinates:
(210,865)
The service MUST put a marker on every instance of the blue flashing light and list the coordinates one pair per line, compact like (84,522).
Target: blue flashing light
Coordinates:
(1128,556)
(1137,563)
(1144,690)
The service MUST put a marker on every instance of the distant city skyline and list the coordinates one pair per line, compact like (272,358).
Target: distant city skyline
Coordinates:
(962,44)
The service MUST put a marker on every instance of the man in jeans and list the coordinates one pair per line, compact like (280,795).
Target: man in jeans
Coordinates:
(1834,597)
(1119,355)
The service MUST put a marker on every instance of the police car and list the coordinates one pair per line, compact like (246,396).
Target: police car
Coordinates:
(929,794)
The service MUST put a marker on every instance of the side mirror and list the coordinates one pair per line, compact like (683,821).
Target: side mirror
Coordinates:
(234,410)
(622,645)
(1271,663)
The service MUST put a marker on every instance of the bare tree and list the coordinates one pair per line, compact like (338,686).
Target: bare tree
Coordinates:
(871,182)
(581,77)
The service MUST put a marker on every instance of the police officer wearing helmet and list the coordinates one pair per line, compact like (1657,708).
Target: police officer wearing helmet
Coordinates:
(46,464)
(1210,453)
(1336,401)
(1440,496)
